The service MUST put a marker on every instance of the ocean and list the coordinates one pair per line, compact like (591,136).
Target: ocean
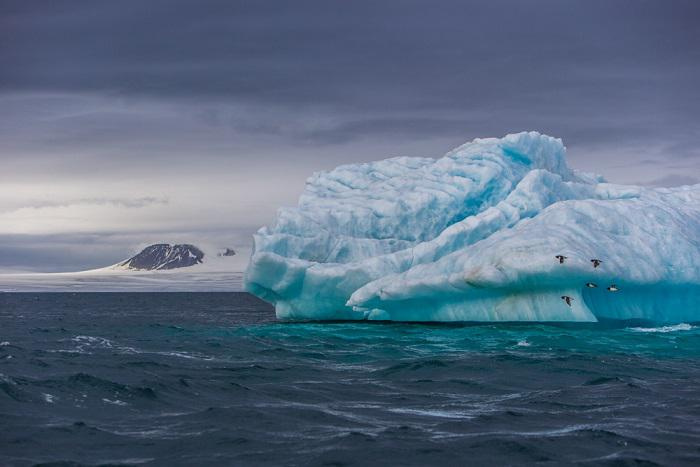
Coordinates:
(198,379)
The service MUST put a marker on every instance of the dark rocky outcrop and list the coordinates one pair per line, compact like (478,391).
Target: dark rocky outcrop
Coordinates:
(165,256)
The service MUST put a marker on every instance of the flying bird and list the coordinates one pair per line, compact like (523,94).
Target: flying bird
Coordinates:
(591,285)
(613,288)
(561,258)
(567,299)
(596,263)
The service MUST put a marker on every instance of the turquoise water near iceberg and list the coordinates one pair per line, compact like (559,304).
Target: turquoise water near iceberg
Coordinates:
(214,379)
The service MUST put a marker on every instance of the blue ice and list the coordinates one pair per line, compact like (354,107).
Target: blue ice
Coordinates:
(473,236)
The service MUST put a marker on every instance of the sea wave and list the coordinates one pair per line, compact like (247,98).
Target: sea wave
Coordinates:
(217,382)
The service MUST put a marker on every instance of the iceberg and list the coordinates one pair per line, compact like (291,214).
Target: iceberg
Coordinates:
(474,236)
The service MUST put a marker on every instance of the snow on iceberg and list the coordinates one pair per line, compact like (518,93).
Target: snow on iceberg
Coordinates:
(473,236)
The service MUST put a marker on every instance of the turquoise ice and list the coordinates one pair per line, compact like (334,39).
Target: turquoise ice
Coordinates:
(473,236)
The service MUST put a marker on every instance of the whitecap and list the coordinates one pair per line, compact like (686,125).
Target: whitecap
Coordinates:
(186,355)
(674,328)
(434,413)
(114,402)
(100,342)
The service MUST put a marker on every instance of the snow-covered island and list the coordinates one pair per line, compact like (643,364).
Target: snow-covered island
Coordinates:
(496,230)
(161,267)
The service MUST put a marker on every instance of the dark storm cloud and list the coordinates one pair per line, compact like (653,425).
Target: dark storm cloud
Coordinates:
(409,54)
(158,95)
(522,64)
(593,73)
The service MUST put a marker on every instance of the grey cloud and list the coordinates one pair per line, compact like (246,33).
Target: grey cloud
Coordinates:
(56,253)
(583,71)
(131,203)
(395,127)
(672,180)
(170,93)
(350,54)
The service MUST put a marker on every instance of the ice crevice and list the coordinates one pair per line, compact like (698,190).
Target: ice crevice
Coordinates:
(472,236)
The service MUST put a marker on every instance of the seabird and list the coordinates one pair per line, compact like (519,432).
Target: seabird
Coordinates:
(596,262)
(567,299)
(591,285)
(613,288)
(561,258)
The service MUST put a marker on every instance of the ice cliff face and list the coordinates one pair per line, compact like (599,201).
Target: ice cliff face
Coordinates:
(473,237)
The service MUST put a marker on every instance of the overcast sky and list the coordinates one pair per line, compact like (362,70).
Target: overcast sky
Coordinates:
(128,122)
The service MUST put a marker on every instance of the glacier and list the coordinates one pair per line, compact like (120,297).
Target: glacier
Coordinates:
(474,235)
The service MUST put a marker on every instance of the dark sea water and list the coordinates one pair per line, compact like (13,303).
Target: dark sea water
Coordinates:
(213,379)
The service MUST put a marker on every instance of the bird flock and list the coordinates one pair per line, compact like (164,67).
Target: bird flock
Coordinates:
(591,285)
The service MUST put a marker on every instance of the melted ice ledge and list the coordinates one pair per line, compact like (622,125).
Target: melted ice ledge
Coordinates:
(472,237)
